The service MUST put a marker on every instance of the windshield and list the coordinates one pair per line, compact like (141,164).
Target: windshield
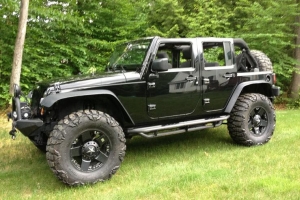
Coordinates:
(129,56)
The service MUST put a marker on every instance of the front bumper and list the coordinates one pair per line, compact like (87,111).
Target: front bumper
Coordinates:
(21,117)
(28,127)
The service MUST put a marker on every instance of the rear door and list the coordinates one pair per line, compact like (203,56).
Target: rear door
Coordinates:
(218,73)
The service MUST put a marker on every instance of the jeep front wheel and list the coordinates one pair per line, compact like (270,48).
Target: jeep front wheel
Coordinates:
(252,120)
(85,147)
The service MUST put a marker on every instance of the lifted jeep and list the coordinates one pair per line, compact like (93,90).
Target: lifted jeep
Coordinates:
(152,87)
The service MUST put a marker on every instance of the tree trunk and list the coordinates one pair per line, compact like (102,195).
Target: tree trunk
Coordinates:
(295,84)
(19,45)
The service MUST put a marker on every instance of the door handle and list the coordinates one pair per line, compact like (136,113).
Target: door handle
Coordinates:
(228,75)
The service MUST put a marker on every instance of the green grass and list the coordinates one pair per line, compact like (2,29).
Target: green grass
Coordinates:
(198,165)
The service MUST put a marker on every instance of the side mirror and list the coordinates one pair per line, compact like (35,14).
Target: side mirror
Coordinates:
(161,64)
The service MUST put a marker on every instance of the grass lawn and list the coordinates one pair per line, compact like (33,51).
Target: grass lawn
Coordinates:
(198,165)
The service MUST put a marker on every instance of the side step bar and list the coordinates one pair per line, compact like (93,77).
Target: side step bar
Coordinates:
(152,131)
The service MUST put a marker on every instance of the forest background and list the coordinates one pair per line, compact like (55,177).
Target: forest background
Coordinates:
(65,37)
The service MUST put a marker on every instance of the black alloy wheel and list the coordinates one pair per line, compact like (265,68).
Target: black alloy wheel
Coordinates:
(90,150)
(86,147)
(258,121)
(252,120)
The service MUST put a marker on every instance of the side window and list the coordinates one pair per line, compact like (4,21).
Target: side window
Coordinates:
(217,54)
(179,54)
(185,56)
(228,54)
(165,53)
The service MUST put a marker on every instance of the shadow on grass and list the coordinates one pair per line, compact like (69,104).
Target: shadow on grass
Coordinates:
(24,169)
(200,140)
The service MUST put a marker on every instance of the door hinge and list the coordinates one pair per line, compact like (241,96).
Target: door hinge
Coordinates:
(151,85)
(57,88)
(206,101)
(151,107)
(206,81)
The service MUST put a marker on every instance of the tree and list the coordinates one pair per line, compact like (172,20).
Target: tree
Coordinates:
(208,18)
(166,19)
(295,84)
(19,46)
(65,37)
(269,26)
(194,18)
(8,30)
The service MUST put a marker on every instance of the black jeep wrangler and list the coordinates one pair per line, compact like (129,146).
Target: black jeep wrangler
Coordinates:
(152,87)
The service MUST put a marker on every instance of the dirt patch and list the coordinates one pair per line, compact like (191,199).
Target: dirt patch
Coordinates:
(4,123)
(280,106)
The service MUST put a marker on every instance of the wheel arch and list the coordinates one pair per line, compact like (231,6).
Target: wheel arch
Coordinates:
(260,87)
(77,99)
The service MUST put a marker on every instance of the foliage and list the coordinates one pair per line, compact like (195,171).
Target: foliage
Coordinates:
(291,103)
(268,26)
(8,28)
(68,37)
(65,37)
(166,19)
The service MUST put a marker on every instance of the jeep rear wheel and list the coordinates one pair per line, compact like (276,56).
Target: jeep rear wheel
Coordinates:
(252,120)
(85,147)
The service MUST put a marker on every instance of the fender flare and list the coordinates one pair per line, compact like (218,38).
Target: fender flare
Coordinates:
(239,90)
(51,99)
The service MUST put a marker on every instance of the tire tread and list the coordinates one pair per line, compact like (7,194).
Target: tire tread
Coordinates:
(57,136)
(238,116)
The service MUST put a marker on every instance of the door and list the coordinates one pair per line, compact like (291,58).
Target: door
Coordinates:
(218,74)
(176,91)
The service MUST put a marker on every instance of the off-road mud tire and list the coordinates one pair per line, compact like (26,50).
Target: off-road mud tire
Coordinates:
(92,130)
(252,120)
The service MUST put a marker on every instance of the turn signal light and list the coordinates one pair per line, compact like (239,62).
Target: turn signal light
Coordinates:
(274,78)
(42,111)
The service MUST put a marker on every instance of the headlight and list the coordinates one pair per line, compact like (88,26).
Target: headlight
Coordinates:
(17,90)
(47,92)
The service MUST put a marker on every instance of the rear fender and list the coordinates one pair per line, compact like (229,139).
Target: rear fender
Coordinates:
(261,87)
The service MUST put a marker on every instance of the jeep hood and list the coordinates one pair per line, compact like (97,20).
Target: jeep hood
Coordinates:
(81,82)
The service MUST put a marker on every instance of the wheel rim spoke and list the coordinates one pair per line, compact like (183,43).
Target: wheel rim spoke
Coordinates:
(102,140)
(86,136)
(261,112)
(85,165)
(263,123)
(76,151)
(101,157)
